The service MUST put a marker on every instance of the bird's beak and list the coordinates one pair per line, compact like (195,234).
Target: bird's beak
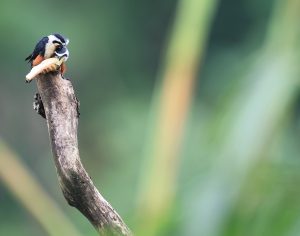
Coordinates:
(63,57)
(63,52)
(67,41)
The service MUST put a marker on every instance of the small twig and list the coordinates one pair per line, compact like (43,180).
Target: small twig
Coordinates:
(61,110)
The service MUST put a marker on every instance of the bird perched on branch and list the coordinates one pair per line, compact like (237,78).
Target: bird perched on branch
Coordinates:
(48,49)
(54,45)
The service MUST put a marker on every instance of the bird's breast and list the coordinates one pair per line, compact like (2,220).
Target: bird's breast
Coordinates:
(37,60)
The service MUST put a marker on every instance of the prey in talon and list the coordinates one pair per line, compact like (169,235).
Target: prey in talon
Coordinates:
(49,54)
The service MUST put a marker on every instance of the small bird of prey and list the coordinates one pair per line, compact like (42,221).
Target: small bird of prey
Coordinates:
(52,46)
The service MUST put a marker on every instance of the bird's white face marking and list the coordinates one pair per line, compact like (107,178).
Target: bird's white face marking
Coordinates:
(53,38)
(50,46)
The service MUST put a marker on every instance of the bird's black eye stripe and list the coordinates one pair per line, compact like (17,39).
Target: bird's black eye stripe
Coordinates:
(55,41)
(60,37)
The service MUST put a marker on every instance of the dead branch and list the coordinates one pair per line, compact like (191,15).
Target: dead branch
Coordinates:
(60,105)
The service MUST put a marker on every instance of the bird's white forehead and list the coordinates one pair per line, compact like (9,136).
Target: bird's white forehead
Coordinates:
(52,37)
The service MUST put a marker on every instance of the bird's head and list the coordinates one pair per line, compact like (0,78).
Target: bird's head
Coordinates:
(57,46)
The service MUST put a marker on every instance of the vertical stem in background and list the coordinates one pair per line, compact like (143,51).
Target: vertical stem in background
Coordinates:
(285,19)
(256,115)
(171,104)
(31,194)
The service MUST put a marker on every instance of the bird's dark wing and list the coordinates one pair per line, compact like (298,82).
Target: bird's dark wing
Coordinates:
(39,49)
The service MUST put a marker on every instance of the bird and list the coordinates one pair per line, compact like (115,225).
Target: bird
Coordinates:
(53,45)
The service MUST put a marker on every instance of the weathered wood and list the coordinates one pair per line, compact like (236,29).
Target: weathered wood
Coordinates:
(61,109)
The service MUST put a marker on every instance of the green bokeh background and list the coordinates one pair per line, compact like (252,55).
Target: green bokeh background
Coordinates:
(116,53)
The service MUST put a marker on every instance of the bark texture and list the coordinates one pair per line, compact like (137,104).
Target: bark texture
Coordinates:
(61,110)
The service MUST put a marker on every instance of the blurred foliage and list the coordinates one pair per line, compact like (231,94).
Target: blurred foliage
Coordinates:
(238,166)
(172,99)
(27,190)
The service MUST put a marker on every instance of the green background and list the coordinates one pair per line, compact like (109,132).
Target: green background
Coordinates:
(238,157)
